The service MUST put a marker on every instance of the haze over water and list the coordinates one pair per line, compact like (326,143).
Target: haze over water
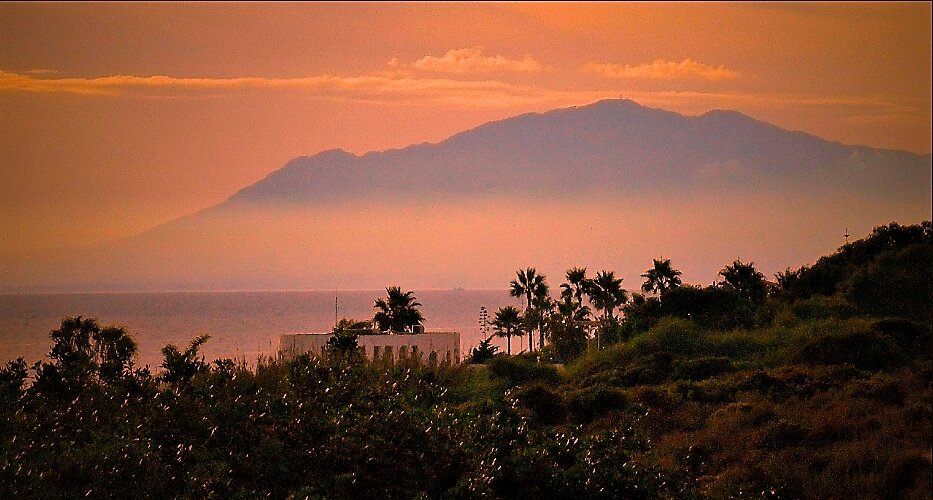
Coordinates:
(242,325)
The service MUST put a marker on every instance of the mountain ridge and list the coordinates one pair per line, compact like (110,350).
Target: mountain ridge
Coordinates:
(578,149)
(607,185)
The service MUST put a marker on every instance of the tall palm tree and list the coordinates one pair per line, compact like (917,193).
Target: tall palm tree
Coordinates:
(576,284)
(508,322)
(529,284)
(540,313)
(661,278)
(746,280)
(398,311)
(606,293)
(570,311)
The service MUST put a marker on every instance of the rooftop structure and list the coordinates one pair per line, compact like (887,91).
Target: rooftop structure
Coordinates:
(431,347)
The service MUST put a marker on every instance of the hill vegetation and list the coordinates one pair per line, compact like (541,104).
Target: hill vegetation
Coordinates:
(817,385)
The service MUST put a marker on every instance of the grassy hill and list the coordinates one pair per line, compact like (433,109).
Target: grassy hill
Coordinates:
(819,388)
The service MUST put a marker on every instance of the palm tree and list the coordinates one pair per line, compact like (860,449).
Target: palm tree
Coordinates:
(508,322)
(398,311)
(661,278)
(570,311)
(576,284)
(539,315)
(529,284)
(606,293)
(746,280)
(567,334)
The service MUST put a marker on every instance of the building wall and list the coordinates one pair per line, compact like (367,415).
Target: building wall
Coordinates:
(444,345)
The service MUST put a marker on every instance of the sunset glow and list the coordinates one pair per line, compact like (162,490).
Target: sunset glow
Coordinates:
(115,118)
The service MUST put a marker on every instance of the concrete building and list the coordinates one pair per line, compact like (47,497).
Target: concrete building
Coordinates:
(430,347)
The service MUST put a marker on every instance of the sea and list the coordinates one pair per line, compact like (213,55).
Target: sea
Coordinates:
(243,325)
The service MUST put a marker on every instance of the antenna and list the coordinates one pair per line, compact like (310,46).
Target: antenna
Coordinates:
(335,308)
(847,235)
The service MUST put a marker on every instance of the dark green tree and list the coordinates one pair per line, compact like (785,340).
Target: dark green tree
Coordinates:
(181,367)
(606,293)
(530,285)
(538,317)
(508,322)
(115,350)
(343,343)
(483,352)
(576,284)
(83,352)
(566,330)
(746,281)
(398,312)
(661,278)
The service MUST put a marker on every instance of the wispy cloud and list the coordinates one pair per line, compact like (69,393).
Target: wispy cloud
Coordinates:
(400,85)
(688,69)
(473,60)
(386,84)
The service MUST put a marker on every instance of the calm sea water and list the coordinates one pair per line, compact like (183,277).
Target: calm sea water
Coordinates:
(242,325)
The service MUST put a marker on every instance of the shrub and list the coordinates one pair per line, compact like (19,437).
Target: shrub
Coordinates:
(593,401)
(822,307)
(702,368)
(542,402)
(913,338)
(515,370)
(673,335)
(898,283)
(867,350)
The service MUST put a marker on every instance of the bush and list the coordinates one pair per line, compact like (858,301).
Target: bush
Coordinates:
(913,338)
(702,368)
(542,402)
(821,307)
(594,401)
(898,283)
(867,350)
(676,336)
(524,368)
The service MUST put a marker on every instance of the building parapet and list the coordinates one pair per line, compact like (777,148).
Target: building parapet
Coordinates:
(432,347)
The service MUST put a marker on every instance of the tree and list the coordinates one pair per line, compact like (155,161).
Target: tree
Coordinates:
(529,284)
(181,367)
(114,349)
(483,352)
(508,322)
(398,312)
(81,350)
(746,281)
(568,336)
(343,342)
(538,317)
(576,284)
(606,293)
(661,278)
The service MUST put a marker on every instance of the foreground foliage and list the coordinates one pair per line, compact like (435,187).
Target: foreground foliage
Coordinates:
(719,392)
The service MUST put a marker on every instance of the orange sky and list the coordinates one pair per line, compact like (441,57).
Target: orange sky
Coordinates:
(116,117)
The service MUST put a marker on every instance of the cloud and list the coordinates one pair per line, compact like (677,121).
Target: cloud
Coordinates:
(400,85)
(663,70)
(472,60)
(385,84)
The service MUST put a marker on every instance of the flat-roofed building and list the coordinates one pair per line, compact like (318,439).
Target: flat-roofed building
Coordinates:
(429,347)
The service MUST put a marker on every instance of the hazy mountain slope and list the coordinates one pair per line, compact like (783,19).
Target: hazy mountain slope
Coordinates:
(615,146)
(609,186)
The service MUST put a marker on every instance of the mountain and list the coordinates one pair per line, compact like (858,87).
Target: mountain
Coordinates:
(607,185)
(614,146)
